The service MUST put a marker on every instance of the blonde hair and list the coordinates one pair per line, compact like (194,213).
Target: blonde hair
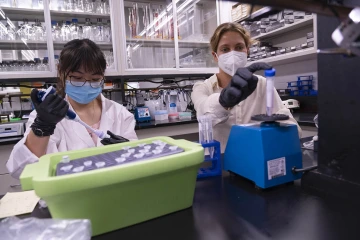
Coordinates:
(229,27)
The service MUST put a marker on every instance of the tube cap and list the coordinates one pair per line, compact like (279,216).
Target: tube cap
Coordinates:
(270,72)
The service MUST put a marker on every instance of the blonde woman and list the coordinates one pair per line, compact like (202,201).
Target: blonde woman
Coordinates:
(234,94)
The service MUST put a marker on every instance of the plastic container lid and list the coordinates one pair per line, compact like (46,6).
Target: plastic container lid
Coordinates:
(185,114)
(74,20)
(270,72)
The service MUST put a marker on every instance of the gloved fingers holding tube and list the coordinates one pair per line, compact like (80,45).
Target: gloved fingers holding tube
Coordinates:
(50,111)
(242,85)
(113,139)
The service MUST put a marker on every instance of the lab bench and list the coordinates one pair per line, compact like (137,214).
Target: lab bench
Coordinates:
(229,207)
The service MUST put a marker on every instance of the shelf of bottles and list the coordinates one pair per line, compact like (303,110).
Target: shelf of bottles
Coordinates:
(23,45)
(196,20)
(150,40)
(80,19)
(149,29)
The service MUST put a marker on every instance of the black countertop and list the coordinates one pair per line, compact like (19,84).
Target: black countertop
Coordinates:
(164,123)
(305,119)
(229,207)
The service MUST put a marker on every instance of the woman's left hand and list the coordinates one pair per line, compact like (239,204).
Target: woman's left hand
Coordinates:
(113,139)
(242,85)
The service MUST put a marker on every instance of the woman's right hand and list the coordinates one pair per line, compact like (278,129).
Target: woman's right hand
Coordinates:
(49,112)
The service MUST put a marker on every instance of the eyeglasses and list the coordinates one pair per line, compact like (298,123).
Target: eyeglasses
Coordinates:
(79,82)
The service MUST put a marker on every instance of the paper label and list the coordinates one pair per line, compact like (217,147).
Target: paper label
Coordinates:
(276,168)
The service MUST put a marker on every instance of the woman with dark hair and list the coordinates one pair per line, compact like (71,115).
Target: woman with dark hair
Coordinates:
(81,72)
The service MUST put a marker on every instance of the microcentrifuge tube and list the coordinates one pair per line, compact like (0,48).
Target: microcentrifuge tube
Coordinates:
(139,155)
(125,155)
(87,163)
(100,164)
(78,169)
(66,168)
(65,159)
(120,159)
(157,151)
(173,148)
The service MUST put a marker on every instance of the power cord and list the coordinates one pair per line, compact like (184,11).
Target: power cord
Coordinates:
(297,170)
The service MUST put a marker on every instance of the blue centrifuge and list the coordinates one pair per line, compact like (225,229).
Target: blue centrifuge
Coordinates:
(265,152)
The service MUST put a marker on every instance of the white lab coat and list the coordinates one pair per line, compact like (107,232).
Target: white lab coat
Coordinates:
(70,135)
(205,97)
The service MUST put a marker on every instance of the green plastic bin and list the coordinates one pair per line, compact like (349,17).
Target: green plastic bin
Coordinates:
(119,196)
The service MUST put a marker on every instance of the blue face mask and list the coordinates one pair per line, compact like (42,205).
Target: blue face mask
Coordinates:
(82,95)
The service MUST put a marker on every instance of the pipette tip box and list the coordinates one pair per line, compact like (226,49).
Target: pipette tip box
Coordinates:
(113,195)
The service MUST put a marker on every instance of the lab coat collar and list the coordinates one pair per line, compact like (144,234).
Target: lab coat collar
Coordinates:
(214,82)
(105,122)
(107,118)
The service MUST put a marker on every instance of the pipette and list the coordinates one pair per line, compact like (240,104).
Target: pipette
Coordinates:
(269,74)
(71,115)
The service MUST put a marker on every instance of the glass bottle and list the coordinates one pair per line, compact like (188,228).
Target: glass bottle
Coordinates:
(96,6)
(107,32)
(67,31)
(110,59)
(67,5)
(80,32)
(59,5)
(38,4)
(98,30)
(74,28)
(57,31)
(37,63)
(87,29)
(56,57)
(11,34)
(45,64)
(88,5)
(5,3)
(73,5)
(103,7)
(80,5)
(24,3)
(53,26)
(38,31)
(31,65)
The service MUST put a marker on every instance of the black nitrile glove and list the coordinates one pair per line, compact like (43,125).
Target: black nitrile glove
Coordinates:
(113,139)
(242,85)
(49,112)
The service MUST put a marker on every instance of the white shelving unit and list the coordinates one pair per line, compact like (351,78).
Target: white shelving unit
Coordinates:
(292,57)
(166,43)
(78,14)
(288,36)
(287,28)
(168,51)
